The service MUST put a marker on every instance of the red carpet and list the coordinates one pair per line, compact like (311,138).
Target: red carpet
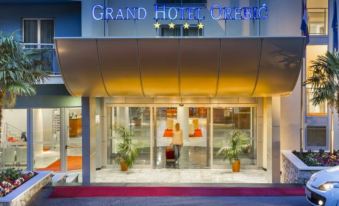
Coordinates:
(73,162)
(107,191)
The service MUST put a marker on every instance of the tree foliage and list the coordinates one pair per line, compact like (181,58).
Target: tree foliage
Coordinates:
(20,71)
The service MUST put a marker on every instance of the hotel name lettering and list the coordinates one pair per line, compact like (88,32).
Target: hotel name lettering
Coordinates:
(164,12)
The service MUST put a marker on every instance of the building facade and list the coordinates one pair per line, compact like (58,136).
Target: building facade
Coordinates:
(211,66)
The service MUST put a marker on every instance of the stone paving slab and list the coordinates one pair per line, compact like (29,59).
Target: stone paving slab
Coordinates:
(112,175)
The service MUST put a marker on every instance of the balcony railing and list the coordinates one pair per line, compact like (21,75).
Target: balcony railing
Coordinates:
(318,21)
(46,54)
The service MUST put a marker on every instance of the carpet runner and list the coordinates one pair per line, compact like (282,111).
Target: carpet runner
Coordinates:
(110,191)
(73,163)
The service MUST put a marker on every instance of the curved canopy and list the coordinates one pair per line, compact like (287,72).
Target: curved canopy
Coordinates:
(180,66)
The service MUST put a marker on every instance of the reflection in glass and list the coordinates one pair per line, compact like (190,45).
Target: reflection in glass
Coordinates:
(193,123)
(136,119)
(314,110)
(46,139)
(312,53)
(317,20)
(74,140)
(225,121)
(13,139)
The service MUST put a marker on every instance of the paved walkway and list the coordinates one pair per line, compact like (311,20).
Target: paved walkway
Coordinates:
(163,176)
(42,199)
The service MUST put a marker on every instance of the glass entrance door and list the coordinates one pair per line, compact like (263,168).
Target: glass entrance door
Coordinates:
(195,150)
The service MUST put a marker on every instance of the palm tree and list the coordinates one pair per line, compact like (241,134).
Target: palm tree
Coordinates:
(19,72)
(324,85)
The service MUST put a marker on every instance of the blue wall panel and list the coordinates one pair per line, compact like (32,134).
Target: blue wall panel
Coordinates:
(67,17)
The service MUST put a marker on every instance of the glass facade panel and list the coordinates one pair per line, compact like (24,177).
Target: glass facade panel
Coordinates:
(317,21)
(318,17)
(74,139)
(314,110)
(47,33)
(46,139)
(312,52)
(13,139)
(137,119)
(225,122)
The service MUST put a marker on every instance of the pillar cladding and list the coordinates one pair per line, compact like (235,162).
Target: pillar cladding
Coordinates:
(272,137)
(276,156)
(88,139)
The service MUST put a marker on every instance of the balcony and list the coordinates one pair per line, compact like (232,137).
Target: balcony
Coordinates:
(47,55)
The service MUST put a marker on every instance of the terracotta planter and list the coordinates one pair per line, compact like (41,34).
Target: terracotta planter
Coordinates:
(137,122)
(236,166)
(123,166)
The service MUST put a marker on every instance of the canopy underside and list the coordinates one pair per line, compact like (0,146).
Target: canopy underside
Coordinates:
(151,67)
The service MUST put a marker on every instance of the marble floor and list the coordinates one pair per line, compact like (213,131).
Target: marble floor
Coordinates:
(181,176)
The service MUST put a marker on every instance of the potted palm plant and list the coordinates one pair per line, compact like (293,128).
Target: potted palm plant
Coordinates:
(127,151)
(231,152)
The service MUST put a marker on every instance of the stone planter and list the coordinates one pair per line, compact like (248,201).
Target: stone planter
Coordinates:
(294,170)
(23,194)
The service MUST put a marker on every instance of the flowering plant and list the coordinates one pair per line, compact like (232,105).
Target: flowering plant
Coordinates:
(319,158)
(13,178)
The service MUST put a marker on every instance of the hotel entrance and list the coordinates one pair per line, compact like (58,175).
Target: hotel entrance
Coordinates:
(194,123)
(205,129)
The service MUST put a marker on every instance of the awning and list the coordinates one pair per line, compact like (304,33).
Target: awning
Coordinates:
(149,67)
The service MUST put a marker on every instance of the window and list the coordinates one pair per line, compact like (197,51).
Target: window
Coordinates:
(38,33)
(166,31)
(13,139)
(317,17)
(179,30)
(312,52)
(181,1)
(317,21)
(316,137)
(192,31)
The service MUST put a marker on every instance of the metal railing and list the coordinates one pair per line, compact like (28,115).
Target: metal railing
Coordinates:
(46,54)
(12,131)
(13,150)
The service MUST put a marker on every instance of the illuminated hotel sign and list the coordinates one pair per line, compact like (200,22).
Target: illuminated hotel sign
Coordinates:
(164,12)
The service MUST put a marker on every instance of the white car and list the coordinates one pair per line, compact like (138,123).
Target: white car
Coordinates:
(323,187)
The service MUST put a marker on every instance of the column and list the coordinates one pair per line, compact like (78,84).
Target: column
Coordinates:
(63,138)
(275,144)
(271,140)
(30,144)
(88,139)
